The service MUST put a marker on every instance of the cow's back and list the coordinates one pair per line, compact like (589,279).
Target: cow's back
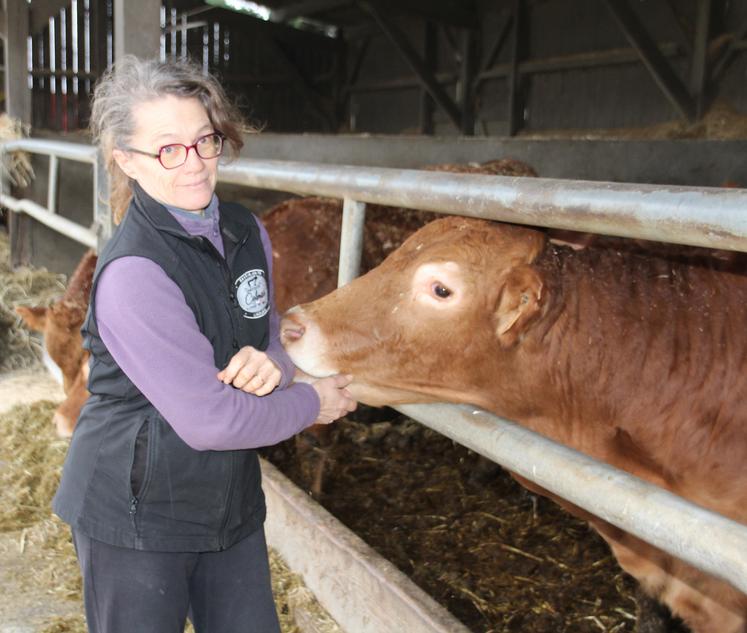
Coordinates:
(655,352)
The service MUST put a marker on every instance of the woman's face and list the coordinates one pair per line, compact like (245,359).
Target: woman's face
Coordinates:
(160,122)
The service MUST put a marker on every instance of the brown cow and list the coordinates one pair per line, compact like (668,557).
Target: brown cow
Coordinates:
(636,360)
(60,324)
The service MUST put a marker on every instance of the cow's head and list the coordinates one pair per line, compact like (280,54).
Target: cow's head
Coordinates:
(431,323)
(60,324)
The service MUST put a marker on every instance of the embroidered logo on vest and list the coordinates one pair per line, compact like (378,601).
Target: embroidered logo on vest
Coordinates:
(252,295)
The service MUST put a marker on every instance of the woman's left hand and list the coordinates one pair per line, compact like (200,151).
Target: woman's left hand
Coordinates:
(252,371)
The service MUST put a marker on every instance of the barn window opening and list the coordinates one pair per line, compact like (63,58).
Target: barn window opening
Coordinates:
(52,59)
(74,43)
(30,60)
(87,42)
(63,51)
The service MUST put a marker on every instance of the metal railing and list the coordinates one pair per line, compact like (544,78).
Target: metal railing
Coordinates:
(94,235)
(710,217)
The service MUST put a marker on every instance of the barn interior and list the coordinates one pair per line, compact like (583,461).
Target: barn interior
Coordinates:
(605,90)
(649,92)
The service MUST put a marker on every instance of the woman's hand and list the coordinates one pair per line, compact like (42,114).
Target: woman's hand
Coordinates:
(252,371)
(334,398)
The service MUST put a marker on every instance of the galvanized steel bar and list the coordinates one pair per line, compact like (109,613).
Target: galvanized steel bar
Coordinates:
(351,240)
(52,179)
(715,544)
(709,217)
(72,151)
(66,227)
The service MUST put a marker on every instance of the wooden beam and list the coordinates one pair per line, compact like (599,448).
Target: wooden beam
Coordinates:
(699,60)
(416,63)
(575,61)
(664,76)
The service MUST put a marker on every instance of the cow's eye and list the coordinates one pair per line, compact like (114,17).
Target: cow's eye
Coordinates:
(441,291)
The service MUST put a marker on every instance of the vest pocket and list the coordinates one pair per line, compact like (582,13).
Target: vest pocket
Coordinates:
(142,461)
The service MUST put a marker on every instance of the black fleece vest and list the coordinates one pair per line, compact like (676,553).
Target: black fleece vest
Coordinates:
(129,480)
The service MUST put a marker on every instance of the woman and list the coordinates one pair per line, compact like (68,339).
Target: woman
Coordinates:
(161,484)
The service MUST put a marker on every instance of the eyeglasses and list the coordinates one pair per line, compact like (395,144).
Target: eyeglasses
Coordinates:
(175,154)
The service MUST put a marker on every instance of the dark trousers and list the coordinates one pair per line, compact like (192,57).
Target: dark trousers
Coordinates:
(131,591)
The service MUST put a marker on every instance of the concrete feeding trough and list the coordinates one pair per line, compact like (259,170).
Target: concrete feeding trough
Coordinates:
(362,591)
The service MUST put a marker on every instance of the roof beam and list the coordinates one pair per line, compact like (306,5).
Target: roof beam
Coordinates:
(424,75)
(664,76)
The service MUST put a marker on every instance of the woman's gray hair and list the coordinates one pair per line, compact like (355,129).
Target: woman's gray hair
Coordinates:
(132,81)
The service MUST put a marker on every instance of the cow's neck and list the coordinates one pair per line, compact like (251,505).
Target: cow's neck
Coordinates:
(625,343)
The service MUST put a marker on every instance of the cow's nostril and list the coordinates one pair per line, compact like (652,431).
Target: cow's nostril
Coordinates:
(293,333)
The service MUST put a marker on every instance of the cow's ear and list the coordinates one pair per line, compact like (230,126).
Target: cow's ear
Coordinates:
(35,318)
(519,303)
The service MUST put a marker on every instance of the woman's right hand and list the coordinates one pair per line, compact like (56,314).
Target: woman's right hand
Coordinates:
(335,400)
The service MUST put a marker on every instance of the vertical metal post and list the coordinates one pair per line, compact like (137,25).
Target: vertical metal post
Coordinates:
(351,240)
(102,216)
(54,171)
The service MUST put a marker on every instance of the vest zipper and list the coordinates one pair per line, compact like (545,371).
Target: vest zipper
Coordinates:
(226,271)
(223,264)
(133,510)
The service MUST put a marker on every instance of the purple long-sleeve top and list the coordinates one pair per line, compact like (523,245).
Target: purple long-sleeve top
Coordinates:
(152,334)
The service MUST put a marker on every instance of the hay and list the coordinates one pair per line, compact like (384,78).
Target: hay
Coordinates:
(70,624)
(496,556)
(26,286)
(31,457)
(721,122)
(16,166)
